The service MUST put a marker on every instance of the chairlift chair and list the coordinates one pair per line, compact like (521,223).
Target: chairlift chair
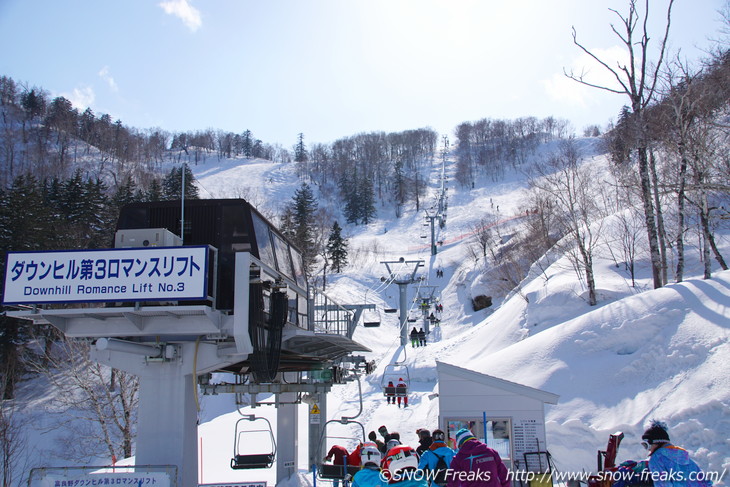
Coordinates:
(370,318)
(241,460)
(392,373)
(327,471)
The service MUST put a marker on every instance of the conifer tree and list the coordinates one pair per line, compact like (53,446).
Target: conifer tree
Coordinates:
(286,226)
(154,192)
(26,223)
(337,248)
(304,206)
(99,216)
(349,195)
(300,150)
(173,182)
(399,188)
(72,197)
(247,144)
(126,193)
(366,200)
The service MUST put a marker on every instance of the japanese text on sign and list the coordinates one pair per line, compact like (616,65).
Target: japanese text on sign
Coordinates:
(161,273)
(156,479)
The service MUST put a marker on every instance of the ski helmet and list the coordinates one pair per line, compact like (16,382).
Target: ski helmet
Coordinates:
(398,460)
(370,454)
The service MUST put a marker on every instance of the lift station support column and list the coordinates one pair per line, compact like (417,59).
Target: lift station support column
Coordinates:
(167,414)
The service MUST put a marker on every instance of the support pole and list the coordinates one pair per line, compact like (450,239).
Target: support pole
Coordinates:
(287,421)
(403,316)
(316,427)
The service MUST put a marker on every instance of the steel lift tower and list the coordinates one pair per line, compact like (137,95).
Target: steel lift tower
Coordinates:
(403,276)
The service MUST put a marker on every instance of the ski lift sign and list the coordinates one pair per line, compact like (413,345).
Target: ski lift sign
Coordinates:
(138,274)
(45,479)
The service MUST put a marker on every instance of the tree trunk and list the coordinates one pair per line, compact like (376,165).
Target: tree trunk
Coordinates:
(646,197)
(590,281)
(661,232)
(680,212)
(706,237)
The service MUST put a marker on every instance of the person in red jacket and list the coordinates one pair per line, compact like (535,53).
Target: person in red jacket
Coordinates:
(475,464)
(353,459)
(338,454)
(402,389)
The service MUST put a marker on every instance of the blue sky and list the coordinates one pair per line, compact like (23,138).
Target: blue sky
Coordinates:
(326,68)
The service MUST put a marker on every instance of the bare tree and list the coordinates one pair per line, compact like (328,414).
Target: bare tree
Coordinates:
(541,231)
(638,81)
(573,188)
(13,443)
(708,154)
(679,115)
(101,402)
(629,230)
(484,237)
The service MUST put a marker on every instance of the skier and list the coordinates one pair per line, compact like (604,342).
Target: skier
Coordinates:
(414,338)
(369,475)
(390,392)
(422,337)
(430,458)
(667,463)
(478,461)
(402,393)
(338,454)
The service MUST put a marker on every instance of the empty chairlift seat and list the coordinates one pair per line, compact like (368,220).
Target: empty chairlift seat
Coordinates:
(253,437)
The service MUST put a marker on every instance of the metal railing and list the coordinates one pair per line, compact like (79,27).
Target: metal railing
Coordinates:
(327,316)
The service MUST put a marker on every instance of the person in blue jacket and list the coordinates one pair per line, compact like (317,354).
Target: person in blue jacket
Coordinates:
(430,457)
(369,475)
(669,465)
(400,468)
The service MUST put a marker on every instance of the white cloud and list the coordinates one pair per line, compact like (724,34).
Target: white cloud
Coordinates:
(563,89)
(81,97)
(184,11)
(104,74)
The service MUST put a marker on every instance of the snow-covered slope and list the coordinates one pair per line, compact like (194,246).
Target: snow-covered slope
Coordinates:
(637,355)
